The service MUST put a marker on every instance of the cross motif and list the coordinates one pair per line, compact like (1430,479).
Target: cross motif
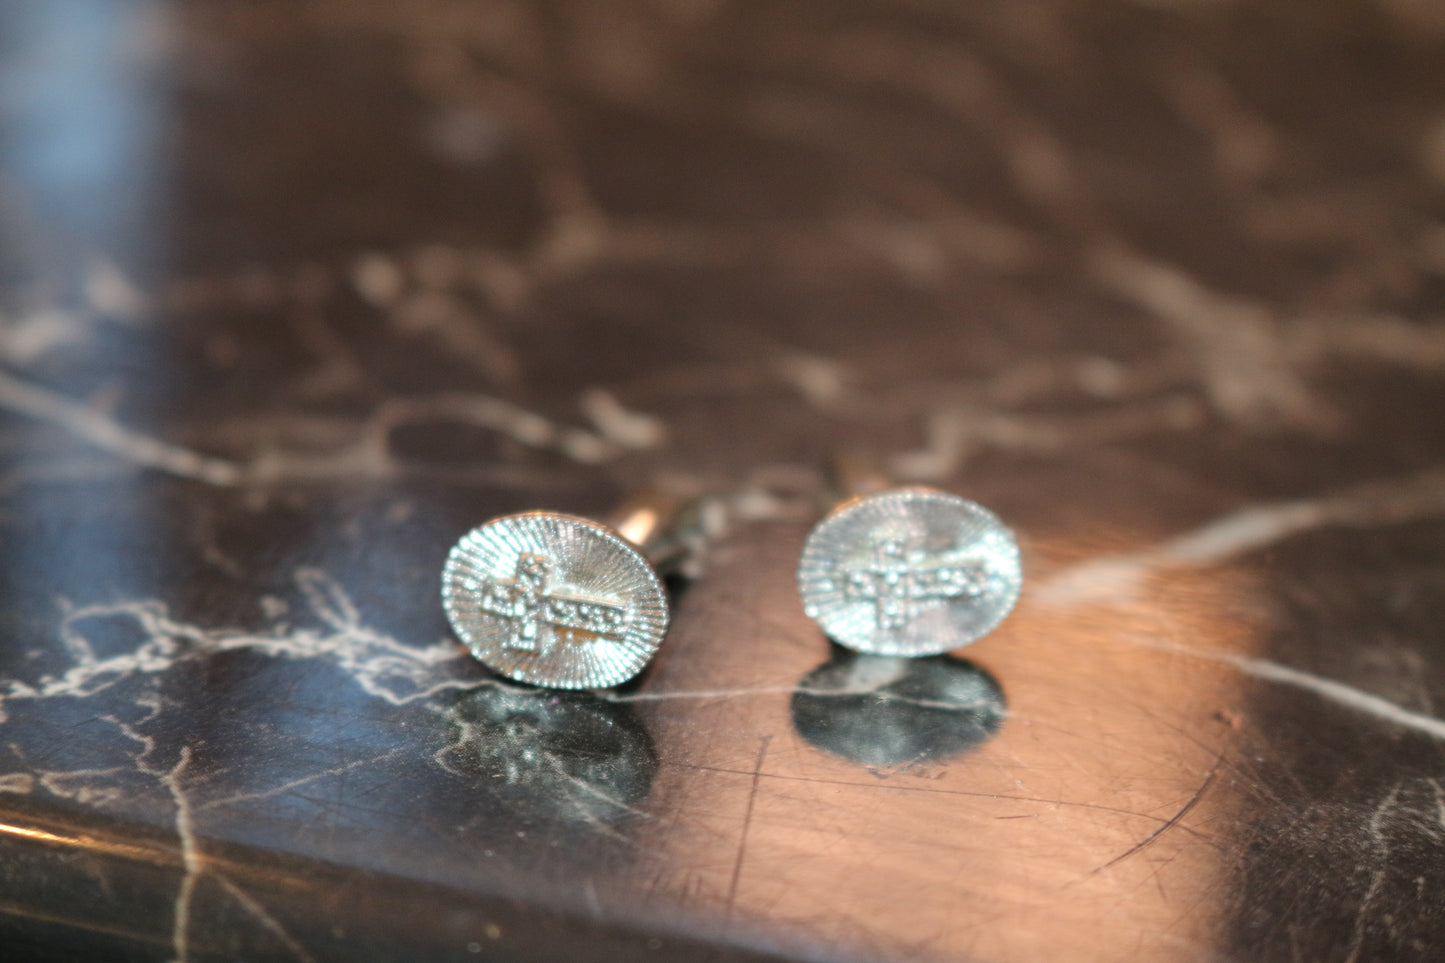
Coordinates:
(900,589)
(532,608)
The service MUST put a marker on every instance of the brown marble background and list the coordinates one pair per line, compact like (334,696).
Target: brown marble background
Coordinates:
(294,293)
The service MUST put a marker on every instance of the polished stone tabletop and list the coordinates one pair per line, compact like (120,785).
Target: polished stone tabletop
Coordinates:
(293,293)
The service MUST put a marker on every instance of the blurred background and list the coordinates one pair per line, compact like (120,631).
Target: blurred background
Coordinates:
(292,294)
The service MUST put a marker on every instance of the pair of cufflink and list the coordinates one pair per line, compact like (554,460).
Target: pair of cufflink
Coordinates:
(565,602)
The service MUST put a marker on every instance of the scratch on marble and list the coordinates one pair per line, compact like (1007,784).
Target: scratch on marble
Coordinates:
(1381,337)
(195,867)
(737,873)
(109,435)
(29,336)
(969,90)
(382,666)
(294,783)
(378,279)
(1337,692)
(611,800)
(107,295)
(369,456)
(1247,372)
(1439,801)
(59,784)
(1120,577)
(956,433)
(502,83)
(459,329)
(427,300)
(520,424)
(258,911)
(519,761)
(706,695)
(1168,824)
(447,72)
(111,294)
(191,859)
(17,782)
(1243,143)
(822,382)
(587,815)
(1374,827)
(621,426)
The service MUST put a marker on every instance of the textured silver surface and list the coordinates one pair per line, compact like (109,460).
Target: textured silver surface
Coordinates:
(910,571)
(554,600)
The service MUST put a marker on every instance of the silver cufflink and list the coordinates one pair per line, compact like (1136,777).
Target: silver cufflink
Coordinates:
(909,571)
(558,600)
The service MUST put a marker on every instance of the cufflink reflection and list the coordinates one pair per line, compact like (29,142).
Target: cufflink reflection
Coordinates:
(893,711)
(558,756)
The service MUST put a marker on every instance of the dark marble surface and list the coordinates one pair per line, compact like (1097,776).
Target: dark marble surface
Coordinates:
(294,293)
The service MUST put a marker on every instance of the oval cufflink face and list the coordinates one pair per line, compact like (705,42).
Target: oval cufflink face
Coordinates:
(911,571)
(554,600)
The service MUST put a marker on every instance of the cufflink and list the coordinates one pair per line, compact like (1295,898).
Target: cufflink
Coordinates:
(558,600)
(909,571)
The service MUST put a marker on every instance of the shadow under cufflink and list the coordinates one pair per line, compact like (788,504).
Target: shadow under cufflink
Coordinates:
(888,711)
(567,757)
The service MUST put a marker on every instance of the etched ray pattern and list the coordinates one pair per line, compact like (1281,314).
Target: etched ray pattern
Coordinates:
(554,600)
(909,572)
